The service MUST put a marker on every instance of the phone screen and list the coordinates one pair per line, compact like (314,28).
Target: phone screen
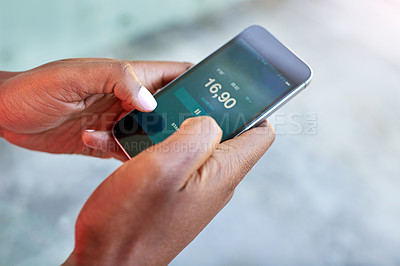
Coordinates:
(234,86)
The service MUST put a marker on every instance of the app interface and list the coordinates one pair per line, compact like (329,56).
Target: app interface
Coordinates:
(234,86)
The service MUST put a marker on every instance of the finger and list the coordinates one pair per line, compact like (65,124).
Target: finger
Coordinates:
(156,75)
(186,150)
(103,142)
(127,107)
(104,155)
(110,76)
(240,154)
(128,88)
(153,74)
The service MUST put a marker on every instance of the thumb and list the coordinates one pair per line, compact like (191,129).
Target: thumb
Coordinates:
(127,87)
(117,77)
(183,152)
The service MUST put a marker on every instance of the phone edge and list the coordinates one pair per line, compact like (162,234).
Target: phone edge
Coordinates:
(280,103)
(119,144)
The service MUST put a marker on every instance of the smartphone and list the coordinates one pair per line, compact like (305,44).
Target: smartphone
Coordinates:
(239,85)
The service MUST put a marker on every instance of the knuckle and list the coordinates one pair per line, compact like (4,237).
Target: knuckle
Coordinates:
(212,125)
(123,67)
(221,173)
(123,81)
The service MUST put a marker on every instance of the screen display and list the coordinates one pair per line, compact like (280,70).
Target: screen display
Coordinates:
(234,86)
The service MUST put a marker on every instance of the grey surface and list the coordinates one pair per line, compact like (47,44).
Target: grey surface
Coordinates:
(326,193)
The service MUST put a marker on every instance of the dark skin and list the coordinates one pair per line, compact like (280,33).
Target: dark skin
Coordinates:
(47,108)
(155,204)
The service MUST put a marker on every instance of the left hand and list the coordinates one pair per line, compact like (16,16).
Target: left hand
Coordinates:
(50,107)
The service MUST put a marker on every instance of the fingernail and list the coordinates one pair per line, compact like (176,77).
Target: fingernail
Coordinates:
(89,130)
(146,99)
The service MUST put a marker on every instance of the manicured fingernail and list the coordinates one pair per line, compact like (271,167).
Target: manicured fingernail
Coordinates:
(146,99)
(89,130)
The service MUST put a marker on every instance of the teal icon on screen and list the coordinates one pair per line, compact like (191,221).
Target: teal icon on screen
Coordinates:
(189,102)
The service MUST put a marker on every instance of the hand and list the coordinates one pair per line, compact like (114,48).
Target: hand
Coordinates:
(50,107)
(154,205)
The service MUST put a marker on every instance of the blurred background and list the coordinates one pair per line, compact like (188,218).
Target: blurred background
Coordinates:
(326,193)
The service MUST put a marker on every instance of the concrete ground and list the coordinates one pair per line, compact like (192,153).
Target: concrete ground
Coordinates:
(326,193)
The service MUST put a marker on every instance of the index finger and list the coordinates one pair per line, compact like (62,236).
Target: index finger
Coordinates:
(156,74)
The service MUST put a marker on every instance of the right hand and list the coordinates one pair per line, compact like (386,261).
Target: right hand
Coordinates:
(154,205)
